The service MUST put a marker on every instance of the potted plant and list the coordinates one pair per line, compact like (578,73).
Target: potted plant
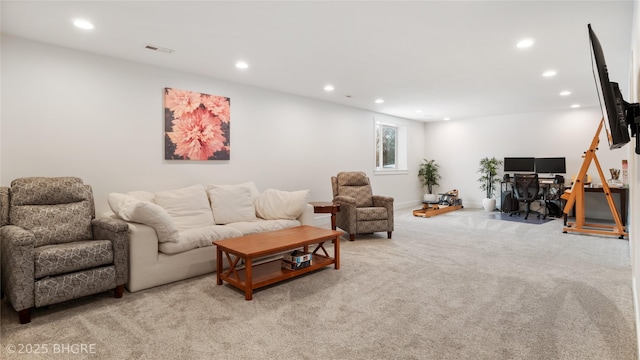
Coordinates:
(488,180)
(429,174)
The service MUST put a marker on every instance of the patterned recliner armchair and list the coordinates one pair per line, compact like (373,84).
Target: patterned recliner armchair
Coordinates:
(53,248)
(361,212)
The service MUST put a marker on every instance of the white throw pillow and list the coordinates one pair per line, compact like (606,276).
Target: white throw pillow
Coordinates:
(188,207)
(231,203)
(249,185)
(275,204)
(129,208)
(142,195)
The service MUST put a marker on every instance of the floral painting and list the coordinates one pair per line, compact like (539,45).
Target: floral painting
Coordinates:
(196,126)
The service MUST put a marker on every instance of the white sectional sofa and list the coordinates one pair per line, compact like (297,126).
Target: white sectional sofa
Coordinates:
(172,231)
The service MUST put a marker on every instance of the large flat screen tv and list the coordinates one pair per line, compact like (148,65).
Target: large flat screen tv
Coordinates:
(554,165)
(613,107)
(519,164)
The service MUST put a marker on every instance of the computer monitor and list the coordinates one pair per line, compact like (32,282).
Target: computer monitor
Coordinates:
(519,164)
(552,165)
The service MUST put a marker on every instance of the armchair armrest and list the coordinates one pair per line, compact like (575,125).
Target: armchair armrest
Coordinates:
(346,217)
(17,266)
(342,199)
(16,236)
(110,224)
(385,201)
(118,232)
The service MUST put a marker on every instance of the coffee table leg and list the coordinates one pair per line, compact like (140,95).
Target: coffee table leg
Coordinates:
(218,266)
(336,250)
(248,281)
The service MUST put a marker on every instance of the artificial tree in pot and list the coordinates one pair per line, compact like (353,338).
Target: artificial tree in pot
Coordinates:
(489,171)
(429,174)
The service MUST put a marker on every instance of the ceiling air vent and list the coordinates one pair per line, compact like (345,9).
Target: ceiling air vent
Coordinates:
(158,48)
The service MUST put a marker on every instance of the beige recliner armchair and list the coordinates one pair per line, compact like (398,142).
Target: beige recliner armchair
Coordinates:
(53,248)
(361,212)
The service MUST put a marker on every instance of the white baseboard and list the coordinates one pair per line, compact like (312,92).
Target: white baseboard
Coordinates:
(416,204)
(322,220)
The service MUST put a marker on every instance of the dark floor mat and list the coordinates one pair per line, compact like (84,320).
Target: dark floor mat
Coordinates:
(532,219)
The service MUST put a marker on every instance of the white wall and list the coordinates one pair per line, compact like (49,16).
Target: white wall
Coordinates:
(634,168)
(70,113)
(458,146)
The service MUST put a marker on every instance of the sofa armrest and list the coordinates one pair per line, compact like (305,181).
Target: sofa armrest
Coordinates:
(117,231)
(17,266)
(143,242)
(143,245)
(307,217)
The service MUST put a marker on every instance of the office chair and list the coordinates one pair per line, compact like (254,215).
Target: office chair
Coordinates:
(525,189)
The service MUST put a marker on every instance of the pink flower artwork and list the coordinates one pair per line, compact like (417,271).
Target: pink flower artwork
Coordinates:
(196,126)
(218,105)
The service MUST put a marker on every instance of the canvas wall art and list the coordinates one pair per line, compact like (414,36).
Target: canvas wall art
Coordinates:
(197,126)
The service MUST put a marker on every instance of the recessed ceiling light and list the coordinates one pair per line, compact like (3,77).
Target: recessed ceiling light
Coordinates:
(575,106)
(525,43)
(328,88)
(565,93)
(379,101)
(418,111)
(242,65)
(446,119)
(549,73)
(82,24)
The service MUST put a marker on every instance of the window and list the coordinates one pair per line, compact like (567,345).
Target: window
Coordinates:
(391,148)
(386,138)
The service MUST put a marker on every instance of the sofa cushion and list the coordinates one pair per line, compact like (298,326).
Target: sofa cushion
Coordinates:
(275,204)
(198,237)
(231,203)
(129,208)
(188,207)
(249,185)
(261,225)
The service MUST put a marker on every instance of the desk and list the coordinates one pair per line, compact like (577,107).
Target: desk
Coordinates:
(593,203)
(549,193)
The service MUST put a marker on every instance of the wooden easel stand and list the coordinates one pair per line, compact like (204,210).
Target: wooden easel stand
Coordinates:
(577,197)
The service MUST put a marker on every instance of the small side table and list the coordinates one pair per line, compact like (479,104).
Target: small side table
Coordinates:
(323,207)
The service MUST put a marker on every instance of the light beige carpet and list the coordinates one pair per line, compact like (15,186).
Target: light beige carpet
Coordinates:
(461,285)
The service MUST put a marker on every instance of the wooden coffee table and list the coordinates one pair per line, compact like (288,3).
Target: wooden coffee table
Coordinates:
(250,247)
